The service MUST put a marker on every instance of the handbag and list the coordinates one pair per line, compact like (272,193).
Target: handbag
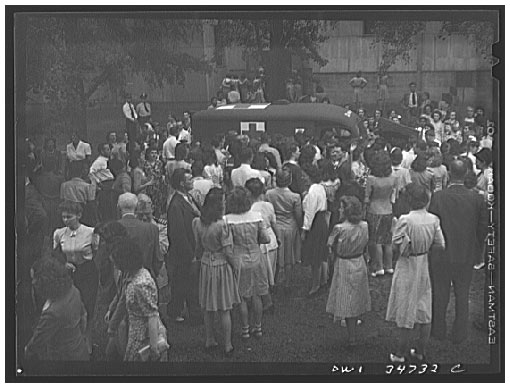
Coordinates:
(144,352)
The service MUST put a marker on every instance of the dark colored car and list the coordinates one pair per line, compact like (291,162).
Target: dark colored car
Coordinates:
(284,118)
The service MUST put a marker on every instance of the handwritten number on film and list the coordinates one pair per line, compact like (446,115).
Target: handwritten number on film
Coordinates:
(409,369)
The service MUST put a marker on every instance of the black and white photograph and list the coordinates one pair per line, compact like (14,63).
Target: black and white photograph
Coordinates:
(254,193)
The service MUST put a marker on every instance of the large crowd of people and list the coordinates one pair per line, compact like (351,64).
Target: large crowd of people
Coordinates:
(221,224)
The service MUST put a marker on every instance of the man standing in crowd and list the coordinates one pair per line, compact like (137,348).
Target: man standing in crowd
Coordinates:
(102,177)
(186,122)
(244,172)
(410,103)
(464,223)
(99,171)
(170,144)
(131,121)
(180,214)
(117,150)
(184,135)
(145,234)
(144,110)
(265,147)
(339,157)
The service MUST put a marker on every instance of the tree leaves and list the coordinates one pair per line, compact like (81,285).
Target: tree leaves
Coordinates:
(481,33)
(301,37)
(69,57)
(398,40)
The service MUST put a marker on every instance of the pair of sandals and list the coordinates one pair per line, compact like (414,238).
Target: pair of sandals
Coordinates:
(247,332)
(395,358)
(381,272)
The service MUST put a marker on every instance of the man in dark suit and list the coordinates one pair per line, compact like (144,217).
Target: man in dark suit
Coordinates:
(463,216)
(410,102)
(181,252)
(146,235)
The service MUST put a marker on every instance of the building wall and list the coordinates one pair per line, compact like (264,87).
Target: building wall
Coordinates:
(450,62)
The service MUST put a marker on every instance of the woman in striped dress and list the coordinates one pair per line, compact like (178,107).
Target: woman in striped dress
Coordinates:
(349,296)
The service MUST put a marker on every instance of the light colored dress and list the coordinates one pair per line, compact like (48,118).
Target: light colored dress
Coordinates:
(410,299)
(218,289)
(349,296)
(141,304)
(270,250)
(289,214)
(248,233)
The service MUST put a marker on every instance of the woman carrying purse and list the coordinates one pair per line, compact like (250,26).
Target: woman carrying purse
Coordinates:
(147,337)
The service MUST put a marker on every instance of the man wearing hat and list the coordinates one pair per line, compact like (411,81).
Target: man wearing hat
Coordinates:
(131,121)
(410,103)
(143,109)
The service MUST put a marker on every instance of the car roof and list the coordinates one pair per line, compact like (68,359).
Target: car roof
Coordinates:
(283,112)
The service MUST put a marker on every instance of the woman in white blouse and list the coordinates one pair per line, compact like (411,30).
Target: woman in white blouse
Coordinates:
(315,230)
(76,241)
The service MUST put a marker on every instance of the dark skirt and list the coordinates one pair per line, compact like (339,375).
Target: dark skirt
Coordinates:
(106,202)
(379,228)
(315,249)
(86,280)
